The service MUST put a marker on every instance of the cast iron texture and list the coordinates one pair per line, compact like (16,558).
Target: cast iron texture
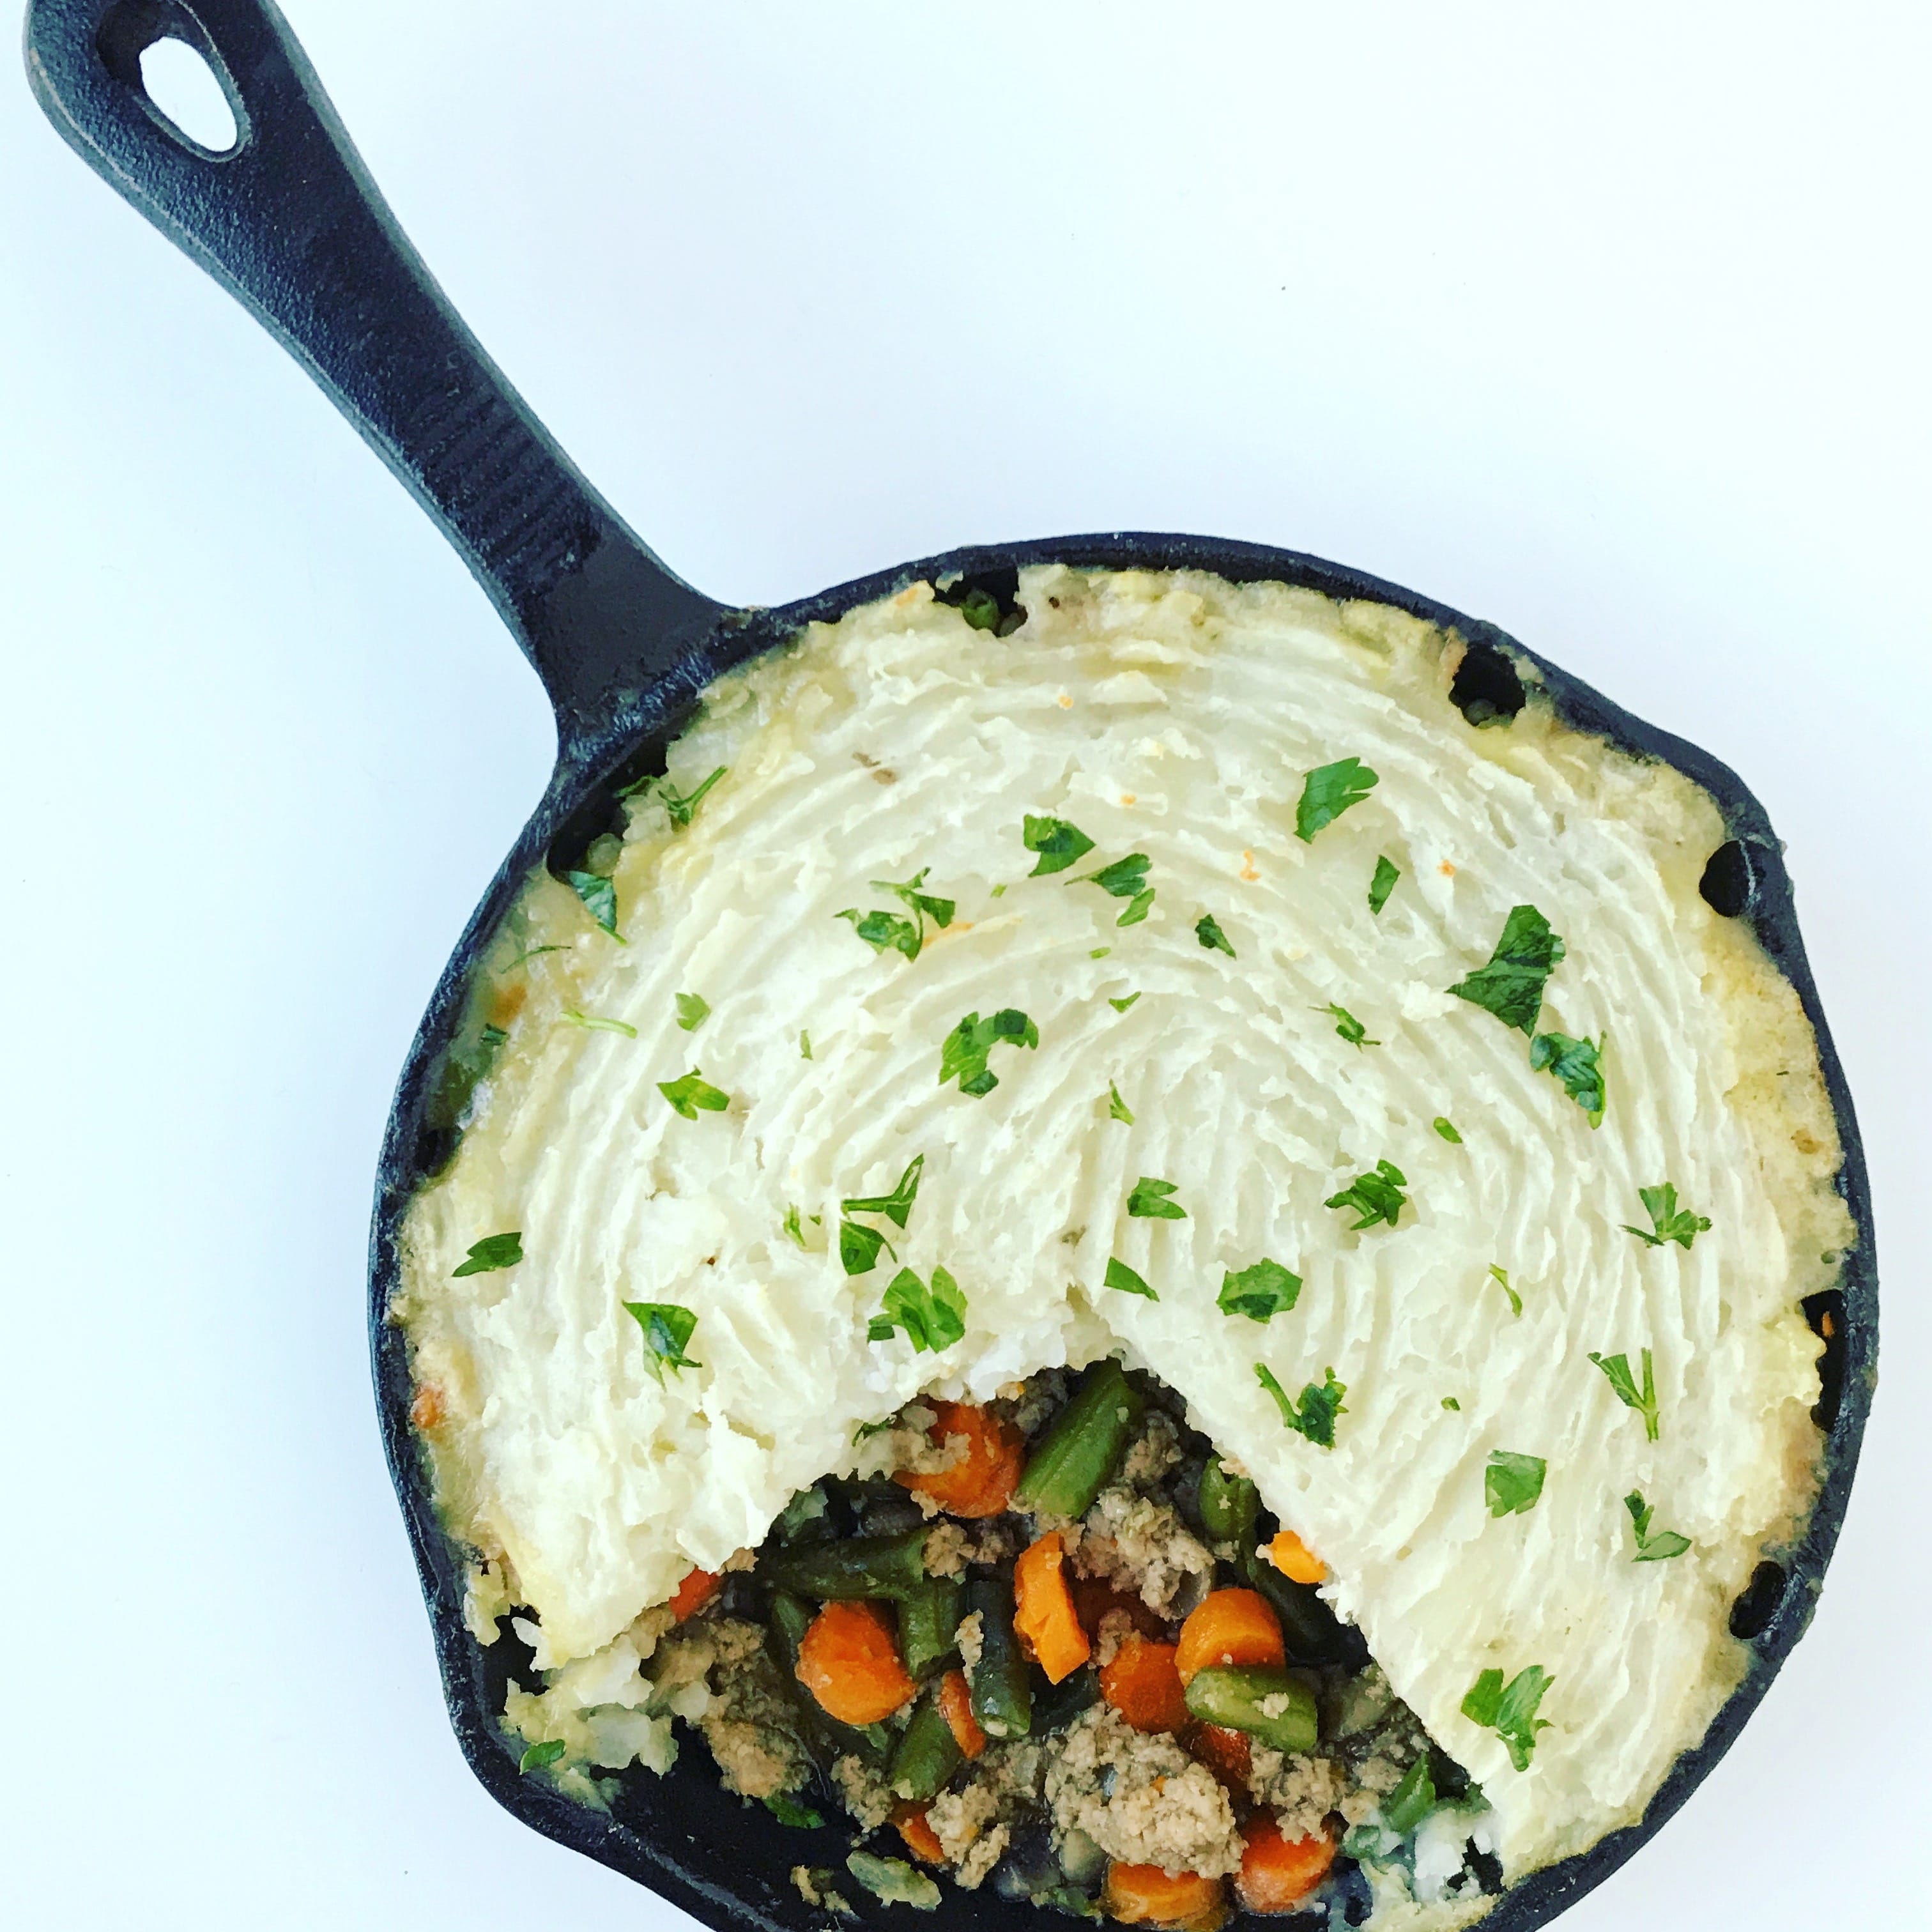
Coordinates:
(289,221)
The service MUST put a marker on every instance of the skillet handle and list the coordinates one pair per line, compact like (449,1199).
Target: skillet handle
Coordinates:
(288,220)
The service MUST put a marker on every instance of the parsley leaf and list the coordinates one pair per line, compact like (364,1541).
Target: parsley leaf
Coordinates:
(1149,1202)
(1259,1292)
(491,1038)
(1511,984)
(884,930)
(980,608)
(859,1247)
(1058,844)
(1449,1401)
(788,1811)
(1208,932)
(600,900)
(690,1092)
(1510,1713)
(1125,878)
(1118,1109)
(1314,1416)
(1377,1196)
(1659,1548)
(678,807)
(666,1328)
(591,1023)
(1644,1401)
(1512,1484)
(1412,1801)
(1672,1223)
(1120,1275)
(896,1206)
(493,1252)
(1099,952)
(1388,872)
(1121,1006)
(1578,1064)
(968,1046)
(791,1223)
(933,1319)
(804,1044)
(541,1757)
(1350,1028)
(1142,905)
(1500,1276)
(1447,1129)
(692,1012)
(1327,792)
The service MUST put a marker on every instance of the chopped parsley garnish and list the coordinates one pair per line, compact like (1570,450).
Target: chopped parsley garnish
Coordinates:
(666,1328)
(1511,984)
(531,953)
(1671,1223)
(541,1757)
(1125,879)
(968,1046)
(491,1038)
(933,1318)
(590,1023)
(791,1223)
(1412,1801)
(1375,1196)
(1099,952)
(1207,930)
(789,1811)
(1449,1401)
(1388,872)
(1118,1109)
(678,807)
(1510,1712)
(600,900)
(1512,1484)
(1120,1275)
(897,1206)
(493,1252)
(999,892)
(892,1881)
(1149,1201)
(1260,1292)
(1500,1275)
(1314,1415)
(1578,1064)
(1350,1028)
(692,1012)
(980,608)
(859,1247)
(1659,1548)
(804,1044)
(1617,1368)
(1327,792)
(691,1091)
(1446,1128)
(1121,1006)
(1058,844)
(1142,905)
(884,930)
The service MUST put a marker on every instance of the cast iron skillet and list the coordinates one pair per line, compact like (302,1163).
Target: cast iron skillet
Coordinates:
(288,221)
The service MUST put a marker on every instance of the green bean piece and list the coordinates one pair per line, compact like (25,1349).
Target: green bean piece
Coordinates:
(860,1567)
(928,1617)
(1311,1632)
(790,1618)
(927,1754)
(1228,1506)
(1056,1705)
(1235,1698)
(1083,1446)
(1001,1695)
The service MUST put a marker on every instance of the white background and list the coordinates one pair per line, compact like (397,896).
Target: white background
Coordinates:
(1606,324)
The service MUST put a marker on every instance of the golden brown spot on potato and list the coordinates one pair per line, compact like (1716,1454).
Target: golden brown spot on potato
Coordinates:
(506,1002)
(1447,871)
(1127,798)
(426,1411)
(1806,1142)
(1827,1327)
(1066,703)
(1248,866)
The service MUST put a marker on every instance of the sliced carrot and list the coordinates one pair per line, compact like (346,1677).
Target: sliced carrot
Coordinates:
(922,1840)
(691,1596)
(849,1660)
(1147,1895)
(1295,1560)
(1237,1627)
(1094,1597)
(1229,1754)
(1141,1684)
(983,1481)
(1043,1610)
(955,1706)
(1277,1873)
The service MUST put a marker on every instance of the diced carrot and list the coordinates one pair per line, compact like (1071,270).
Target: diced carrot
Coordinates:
(691,1596)
(1141,1682)
(426,1411)
(955,1706)
(1147,1895)
(1277,1873)
(1094,1597)
(1043,1610)
(849,1660)
(1237,1627)
(983,1481)
(1295,1560)
(1228,1754)
(922,1840)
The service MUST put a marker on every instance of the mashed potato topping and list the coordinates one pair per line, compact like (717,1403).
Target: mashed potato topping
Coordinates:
(1173,716)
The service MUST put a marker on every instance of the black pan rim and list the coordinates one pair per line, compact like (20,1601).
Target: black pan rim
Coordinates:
(692,1847)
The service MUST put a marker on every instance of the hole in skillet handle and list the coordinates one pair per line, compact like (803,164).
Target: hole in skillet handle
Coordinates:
(161,52)
(1757,1603)
(1486,689)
